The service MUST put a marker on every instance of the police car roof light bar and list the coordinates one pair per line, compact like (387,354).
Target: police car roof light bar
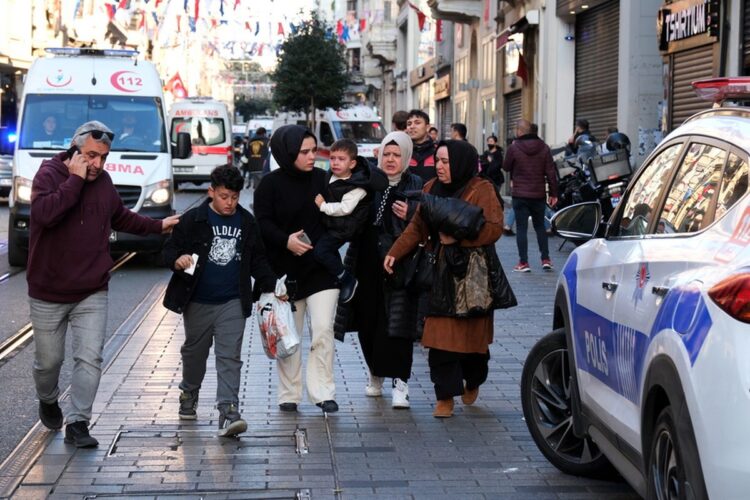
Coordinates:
(718,90)
(83,51)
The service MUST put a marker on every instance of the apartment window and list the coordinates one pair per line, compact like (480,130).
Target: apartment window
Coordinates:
(462,74)
(351,5)
(488,62)
(387,16)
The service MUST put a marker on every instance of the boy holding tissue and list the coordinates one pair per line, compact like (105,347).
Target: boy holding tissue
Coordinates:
(213,252)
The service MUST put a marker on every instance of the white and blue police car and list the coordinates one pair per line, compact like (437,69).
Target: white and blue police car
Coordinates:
(647,369)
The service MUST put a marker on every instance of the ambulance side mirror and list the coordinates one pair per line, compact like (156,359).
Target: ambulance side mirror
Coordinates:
(182,149)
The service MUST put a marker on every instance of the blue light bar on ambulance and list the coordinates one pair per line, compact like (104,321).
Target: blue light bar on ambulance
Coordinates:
(720,89)
(82,51)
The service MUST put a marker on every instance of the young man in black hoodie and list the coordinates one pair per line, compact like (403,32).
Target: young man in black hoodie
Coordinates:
(346,207)
(423,155)
(286,212)
(531,168)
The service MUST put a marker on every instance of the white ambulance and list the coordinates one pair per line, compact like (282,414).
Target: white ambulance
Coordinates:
(358,123)
(77,85)
(207,121)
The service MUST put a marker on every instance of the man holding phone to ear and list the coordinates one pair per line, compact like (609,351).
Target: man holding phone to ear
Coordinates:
(74,206)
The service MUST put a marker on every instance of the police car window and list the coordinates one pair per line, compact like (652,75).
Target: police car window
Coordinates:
(643,197)
(733,185)
(326,135)
(686,208)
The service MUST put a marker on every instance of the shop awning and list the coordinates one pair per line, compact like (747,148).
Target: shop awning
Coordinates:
(531,17)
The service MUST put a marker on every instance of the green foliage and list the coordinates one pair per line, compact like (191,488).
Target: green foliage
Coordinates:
(311,69)
(248,107)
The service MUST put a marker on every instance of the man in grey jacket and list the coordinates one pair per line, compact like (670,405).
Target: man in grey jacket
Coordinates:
(532,171)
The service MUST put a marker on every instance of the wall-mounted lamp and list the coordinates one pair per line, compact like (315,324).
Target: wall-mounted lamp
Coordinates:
(569,36)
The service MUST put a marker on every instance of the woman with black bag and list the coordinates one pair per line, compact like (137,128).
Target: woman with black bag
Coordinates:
(462,212)
(384,310)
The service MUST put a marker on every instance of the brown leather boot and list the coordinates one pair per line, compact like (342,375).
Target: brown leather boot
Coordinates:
(443,408)
(469,396)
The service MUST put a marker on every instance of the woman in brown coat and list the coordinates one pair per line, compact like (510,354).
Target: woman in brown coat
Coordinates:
(459,346)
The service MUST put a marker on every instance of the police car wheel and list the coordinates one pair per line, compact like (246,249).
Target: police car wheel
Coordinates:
(546,387)
(674,471)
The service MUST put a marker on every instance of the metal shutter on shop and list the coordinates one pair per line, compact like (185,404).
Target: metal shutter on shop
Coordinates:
(746,38)
(597,42)
(688,66)
(445,118)
(513,113)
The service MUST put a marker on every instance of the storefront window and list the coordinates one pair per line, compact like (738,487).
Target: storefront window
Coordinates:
(513,50)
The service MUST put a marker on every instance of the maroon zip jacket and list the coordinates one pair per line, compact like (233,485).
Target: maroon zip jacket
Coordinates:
(530,164)
(69,232)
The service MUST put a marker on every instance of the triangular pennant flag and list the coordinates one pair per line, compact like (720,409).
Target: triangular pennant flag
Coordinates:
(280,31)
(362,25)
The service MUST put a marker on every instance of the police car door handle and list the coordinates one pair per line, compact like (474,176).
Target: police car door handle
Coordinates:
(609,286)
(661,291)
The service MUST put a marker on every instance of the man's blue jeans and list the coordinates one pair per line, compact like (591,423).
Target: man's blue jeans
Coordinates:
(88,323)
(523,207)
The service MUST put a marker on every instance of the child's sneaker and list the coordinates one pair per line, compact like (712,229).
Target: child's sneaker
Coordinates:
(547,265)
(522,267)
(230,422)
(188,404)
(348,285)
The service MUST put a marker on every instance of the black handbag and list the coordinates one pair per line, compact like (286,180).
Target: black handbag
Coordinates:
(420,268)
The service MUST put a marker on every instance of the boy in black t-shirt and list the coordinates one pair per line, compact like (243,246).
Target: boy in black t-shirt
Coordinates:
(214,251)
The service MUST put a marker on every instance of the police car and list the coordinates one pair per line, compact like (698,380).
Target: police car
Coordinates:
(648,366)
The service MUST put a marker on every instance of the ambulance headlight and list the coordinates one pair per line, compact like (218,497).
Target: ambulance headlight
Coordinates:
(158,194)
(22,189)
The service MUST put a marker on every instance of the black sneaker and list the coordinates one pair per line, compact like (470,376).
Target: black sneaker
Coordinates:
(290,407)
(188,404)
(348,285)
(230,422)
(77,433)
(51,415)
(329,406)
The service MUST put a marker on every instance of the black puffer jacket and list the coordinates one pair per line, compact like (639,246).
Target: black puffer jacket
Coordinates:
(192,235)
(363,176)
(452,216)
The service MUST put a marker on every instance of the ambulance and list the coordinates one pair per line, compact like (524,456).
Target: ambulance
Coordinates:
(207,121)
(358,123)
(76,85)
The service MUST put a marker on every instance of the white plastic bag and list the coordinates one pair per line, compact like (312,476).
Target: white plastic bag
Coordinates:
(276,321)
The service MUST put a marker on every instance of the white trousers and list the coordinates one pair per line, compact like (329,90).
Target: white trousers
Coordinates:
(321,308)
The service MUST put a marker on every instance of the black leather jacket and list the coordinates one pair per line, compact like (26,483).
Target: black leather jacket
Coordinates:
(193,235)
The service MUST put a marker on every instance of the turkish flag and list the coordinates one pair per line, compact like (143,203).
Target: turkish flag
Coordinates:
(522,72)
(176,87)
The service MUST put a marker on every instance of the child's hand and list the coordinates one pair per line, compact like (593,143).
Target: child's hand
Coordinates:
(183,262)
(319,200)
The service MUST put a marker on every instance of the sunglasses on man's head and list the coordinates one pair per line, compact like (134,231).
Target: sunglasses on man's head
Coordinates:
(98,134)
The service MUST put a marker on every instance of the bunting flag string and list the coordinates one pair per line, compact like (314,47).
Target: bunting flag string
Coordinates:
(421,16)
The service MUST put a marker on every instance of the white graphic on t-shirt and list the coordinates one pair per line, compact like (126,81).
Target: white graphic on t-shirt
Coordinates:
(222,250)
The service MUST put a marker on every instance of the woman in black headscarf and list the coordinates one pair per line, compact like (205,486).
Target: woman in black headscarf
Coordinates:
(285,208)
(459,345)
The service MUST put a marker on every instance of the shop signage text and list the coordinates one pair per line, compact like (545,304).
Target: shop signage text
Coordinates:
(694,22)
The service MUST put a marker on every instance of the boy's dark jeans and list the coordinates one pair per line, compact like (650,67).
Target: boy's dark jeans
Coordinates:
(326,253)
(523,207)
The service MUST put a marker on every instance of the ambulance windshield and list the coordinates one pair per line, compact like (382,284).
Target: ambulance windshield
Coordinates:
(360,132)
(49,121)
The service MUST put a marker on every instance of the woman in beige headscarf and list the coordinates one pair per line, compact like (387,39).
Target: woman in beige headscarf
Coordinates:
(384,312)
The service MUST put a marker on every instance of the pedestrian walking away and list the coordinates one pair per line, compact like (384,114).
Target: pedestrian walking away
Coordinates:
(345,205)
(532,172)
(213,252)
(291,224)
(461,220)
(422,161)
(384,311)
(74,207)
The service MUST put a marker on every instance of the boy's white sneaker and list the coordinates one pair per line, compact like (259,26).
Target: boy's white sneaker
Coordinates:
(400,394)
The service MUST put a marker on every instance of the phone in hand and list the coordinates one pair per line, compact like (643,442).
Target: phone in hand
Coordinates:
(400,196)
(304,238)
(72,150)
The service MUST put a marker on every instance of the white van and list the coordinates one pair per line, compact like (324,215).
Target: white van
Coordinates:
(254,123)
(207,121)
(359,123)
(77,85)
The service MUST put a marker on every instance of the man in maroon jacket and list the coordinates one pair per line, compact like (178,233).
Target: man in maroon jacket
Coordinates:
(529,162)
(74,206)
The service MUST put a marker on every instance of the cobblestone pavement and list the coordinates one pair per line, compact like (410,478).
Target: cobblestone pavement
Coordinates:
(366,450)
